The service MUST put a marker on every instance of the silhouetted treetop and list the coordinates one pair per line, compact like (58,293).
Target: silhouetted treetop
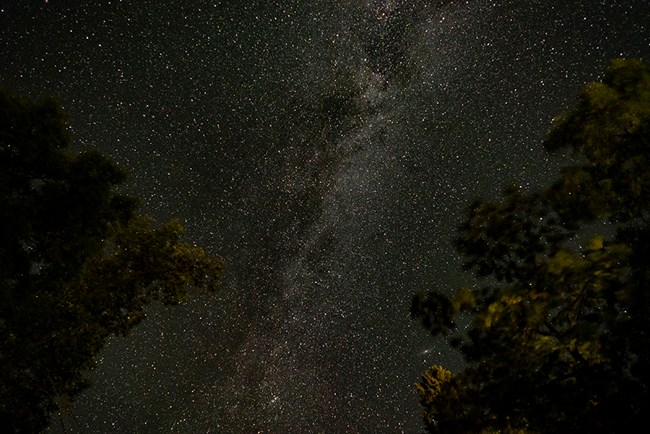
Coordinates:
(77,262)
(560,335)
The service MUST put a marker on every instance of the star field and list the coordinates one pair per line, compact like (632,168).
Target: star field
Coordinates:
(326,151)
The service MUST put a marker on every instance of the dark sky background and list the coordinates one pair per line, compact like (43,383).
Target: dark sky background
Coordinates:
(325,149)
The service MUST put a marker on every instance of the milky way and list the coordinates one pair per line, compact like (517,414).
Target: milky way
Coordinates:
(326,151)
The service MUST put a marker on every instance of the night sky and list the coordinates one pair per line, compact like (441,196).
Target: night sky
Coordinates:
(325,150)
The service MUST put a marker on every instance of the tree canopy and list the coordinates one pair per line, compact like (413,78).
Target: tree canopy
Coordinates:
(78,263)
(559,339)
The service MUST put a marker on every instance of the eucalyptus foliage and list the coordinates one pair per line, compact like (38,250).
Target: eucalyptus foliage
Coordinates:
(560,334)
(77,262)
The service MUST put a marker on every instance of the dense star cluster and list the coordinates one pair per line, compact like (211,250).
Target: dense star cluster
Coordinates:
(325,151)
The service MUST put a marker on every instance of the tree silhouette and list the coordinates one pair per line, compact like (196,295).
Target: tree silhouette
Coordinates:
(560,335)
(77,263)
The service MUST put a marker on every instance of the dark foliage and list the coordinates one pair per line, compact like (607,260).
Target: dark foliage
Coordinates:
(77,264)
(560,335)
